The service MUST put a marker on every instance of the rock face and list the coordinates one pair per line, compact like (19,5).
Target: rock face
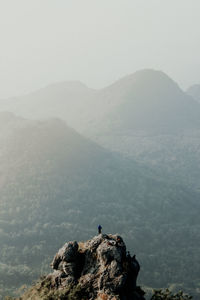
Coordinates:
(99,267)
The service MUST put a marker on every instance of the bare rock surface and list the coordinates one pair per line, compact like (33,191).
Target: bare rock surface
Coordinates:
(96,269)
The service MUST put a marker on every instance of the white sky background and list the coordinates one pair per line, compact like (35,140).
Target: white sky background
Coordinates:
(96,41)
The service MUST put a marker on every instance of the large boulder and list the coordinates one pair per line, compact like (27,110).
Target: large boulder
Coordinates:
(96,269)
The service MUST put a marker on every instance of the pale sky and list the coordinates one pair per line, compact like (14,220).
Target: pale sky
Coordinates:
(96,41)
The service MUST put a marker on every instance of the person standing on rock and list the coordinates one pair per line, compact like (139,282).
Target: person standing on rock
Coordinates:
(99,229)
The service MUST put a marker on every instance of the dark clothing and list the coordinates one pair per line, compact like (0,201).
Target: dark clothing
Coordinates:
(99,229)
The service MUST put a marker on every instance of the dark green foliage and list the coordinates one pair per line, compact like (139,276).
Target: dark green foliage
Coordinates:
(168,295)
(43,290)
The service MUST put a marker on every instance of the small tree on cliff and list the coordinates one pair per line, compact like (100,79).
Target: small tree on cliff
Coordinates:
(167,295)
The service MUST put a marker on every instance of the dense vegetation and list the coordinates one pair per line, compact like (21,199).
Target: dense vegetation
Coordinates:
(41,290)
(168,295)
(57,186)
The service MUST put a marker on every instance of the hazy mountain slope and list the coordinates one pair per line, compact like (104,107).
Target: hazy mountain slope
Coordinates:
(69,101)
(149,100)
(194,91)
(57,186)
(144,115)
(154,122)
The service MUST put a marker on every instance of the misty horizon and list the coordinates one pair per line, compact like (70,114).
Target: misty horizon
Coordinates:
(96,42)
(84,84)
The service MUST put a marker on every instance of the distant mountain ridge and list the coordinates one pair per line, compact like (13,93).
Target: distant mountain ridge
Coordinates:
(146,99)
(145,116)
(62,100)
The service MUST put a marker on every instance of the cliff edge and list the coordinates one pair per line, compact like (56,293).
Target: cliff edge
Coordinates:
(99,268)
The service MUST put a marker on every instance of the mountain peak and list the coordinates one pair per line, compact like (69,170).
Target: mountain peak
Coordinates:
(148,100)
(145,78)
(99,268)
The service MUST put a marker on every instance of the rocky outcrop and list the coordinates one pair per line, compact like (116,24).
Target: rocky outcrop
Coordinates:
(100,266)
(97,269)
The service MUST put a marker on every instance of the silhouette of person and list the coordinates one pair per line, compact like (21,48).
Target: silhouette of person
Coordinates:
(99,229)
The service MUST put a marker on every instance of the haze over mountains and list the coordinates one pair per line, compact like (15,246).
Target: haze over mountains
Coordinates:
(66,100)
(144,115)
(194,91)
(143,183)
(147,99)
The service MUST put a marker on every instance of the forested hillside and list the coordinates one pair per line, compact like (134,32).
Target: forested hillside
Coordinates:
(57,186)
